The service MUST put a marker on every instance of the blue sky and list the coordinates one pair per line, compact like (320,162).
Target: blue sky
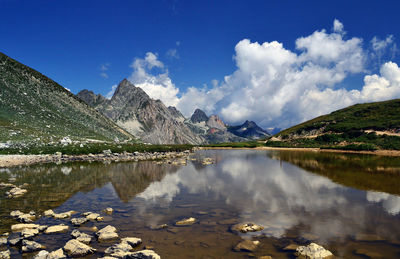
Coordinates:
(93,44)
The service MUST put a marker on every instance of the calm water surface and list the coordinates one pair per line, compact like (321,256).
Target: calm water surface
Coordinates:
(297,196)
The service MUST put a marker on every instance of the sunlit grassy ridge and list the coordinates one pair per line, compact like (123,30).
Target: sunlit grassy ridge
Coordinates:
(35,108)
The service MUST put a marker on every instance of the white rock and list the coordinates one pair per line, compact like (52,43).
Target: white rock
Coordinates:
(313,251)
(19,227)
(144,254)
(49,213)
(92,216)
(81,237)
(16,192)
(186,222)
(107,233)
(5,254)
(30,246)
(133,241)
(75,248)
(56,229)
(29,232)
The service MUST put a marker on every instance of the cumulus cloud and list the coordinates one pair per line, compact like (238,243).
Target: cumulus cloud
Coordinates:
(278,87)
(158,86)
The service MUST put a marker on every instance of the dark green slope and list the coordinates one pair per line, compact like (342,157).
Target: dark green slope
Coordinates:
(35,108)
(348,128)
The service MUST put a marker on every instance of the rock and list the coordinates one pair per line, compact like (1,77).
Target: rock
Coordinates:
(109,210)
(207,161)
(15,241)
(158,227)
(64,215)
(186,222)
(107,233)
(78,221)
(246,227)
(118,248)
(49,213)
(246,246)
(30,246)
(3,241)
(56,229)
(75,248)
(15,213)
(19,227)
(265,257)
(58,254)
(313,251)
(133,241)
(29,232)
(144,254)
(92,216)
(16,192)
(81,237)
(367,253)
(42,228)
(5,254)
(41,255)
(368,237)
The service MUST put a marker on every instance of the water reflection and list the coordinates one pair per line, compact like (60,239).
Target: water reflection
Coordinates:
(333,197)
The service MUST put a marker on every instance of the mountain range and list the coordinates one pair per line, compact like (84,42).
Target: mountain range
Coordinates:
(153,122)
(34,108)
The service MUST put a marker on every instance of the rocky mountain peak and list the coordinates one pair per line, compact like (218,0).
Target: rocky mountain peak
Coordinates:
(90,97)
(199,116)
(215,122)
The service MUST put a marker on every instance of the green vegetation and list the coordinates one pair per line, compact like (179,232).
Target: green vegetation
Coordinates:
(35,109)
(347,129)
(94,148)
(250,144)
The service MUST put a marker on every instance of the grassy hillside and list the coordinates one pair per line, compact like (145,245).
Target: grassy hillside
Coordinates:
(352,128)
(33,108)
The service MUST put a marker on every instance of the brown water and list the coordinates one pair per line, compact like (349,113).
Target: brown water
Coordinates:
(296,196)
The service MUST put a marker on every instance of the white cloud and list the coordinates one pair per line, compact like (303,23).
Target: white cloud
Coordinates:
(278,87)
(172,53)
(111,93)
(157,86)
(337,26)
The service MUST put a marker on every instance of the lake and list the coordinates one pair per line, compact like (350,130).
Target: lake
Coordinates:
(348,203)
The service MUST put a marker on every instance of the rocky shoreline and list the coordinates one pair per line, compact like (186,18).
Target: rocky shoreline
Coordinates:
(105,156)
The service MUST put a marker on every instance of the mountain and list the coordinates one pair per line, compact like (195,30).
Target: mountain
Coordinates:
(250,130)
(132,109)
(198,116)
(367,126)
(35,108)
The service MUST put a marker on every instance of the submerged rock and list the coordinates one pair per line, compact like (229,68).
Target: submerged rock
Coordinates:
(107,233)
(30,246)
(246,246)
(109,210)
(312,251)
(246,227)
(75,248)
(186,222)
(5,254)
(81,237)
(56,229)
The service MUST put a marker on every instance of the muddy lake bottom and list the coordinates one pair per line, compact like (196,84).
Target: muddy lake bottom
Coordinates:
(347,203)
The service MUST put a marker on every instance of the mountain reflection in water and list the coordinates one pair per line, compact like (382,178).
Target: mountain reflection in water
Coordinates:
(333,197)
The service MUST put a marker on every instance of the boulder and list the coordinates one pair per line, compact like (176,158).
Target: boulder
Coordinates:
(49,213)
(30,246)
(5,254)
(56,229)
(186,222)
(92,216)
(107,233)
(313,251)
(81,237)
(74,248)
(246,227)
(246,246)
